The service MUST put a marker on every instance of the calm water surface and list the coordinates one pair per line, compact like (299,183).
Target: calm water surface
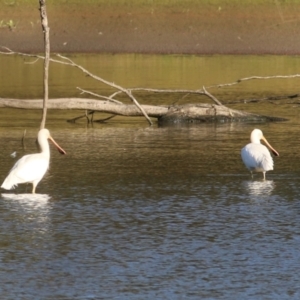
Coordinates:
(137,212)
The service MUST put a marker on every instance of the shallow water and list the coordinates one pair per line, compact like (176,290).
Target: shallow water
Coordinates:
(138,212)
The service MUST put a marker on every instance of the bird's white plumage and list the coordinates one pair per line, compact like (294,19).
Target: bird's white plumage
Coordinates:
(256,156)
(32,168)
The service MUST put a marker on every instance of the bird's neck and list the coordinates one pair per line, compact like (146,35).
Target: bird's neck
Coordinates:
(254,139)
(45,148)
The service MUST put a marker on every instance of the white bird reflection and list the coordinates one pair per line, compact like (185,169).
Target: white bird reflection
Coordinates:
(259,188)
(34,201)
(29,211)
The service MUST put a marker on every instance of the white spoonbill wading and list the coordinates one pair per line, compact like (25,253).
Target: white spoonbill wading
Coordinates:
(256,156)
(32,168)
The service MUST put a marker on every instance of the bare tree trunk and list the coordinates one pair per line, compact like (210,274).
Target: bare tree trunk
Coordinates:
(46,29)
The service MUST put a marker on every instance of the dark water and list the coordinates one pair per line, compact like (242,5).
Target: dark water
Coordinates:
(137,212)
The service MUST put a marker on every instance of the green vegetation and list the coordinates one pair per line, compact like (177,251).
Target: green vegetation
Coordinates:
(8,24)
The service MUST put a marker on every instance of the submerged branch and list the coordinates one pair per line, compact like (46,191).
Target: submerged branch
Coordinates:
(73,120)
(104,120)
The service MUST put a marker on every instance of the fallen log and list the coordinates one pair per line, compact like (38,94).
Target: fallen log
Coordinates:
(189,113)
(200,113)
(86,104)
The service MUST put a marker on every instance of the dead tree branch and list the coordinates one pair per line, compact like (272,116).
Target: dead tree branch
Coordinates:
(45,27)
(255,78)
(270,98)
(211,96)
(69,62)
(110,98)
(104,120)
(112,106)
(127,91)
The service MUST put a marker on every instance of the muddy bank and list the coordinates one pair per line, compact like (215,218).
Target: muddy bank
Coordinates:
(189,29)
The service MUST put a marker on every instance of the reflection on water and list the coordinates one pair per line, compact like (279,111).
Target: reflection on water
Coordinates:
(33,200)
(256,188)
(36,206)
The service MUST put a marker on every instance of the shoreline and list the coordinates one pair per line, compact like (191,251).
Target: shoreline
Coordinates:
(193,29)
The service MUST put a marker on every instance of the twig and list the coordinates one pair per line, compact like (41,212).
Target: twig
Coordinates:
(211,96)
(87,117)
(110,98)
(31,62)
(105,119)
(271,98)
(180,99)
(200,92)
(23,139)
(80,117)
(254,78)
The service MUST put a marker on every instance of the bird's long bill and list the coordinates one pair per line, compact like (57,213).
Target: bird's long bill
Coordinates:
(270,147)
(60,149)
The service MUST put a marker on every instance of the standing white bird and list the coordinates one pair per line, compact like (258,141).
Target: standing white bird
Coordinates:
(32,168)
(256,156)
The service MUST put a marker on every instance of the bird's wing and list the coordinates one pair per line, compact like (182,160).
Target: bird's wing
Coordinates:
(257,156)
(30,167)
